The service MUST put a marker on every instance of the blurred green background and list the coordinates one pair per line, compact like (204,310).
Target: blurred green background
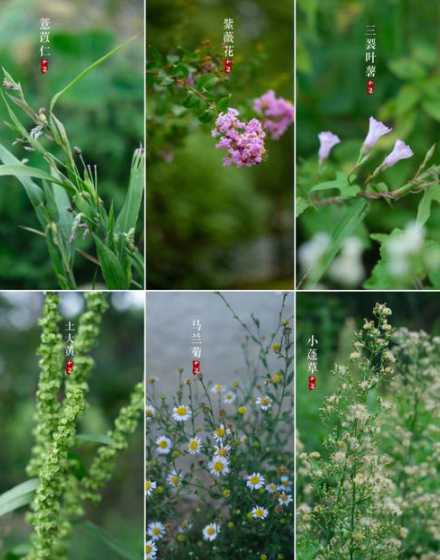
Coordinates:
(333,318)
(119,366)
(210,226)
(332,96)
(103,114)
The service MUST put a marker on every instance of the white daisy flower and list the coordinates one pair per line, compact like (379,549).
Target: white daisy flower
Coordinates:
(264,402)
(164,445)
(156,530)
(194,445)
(149,486)
(219,466)
(217,389)
(222,450)
(221,433)
(230,397)
(150,550)
(284,499)
(259,512)
(174,479)
(255,481)
(150,412)
(211,531)
(271,488)
(181,413)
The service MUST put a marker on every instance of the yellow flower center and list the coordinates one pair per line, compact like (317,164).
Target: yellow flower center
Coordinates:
(220,432)
(193,445)
(147,484)
(156,531)
(181,410)
(218,467)
(163,444)
(148,548)
(255,479)
(211,531)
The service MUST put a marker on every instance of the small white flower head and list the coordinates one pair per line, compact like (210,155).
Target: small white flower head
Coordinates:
(174,479)
(230,397)
(284,499)
(400,151)
(271,488)
(211,531)
(150,412)
(347,268)
(327,142)
(376,130)
(194,445)
(221,433)
(150,550)
(181,413)
(217,389)
(149,487)
(164,445)
(156,530)
(218,466)
(264,402)
(255,481)
(312,251)
(222,450)
(259,512)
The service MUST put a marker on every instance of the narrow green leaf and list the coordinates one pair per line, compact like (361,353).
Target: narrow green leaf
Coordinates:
(354,216)
(116,547)
(18,496)
(129,214)
(84,73)
(21,170)
(101,439)
(33,191)
(424,209)
(114,275)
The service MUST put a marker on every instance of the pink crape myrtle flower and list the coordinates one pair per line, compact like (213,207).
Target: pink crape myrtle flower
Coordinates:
(243,141)
(278,112)
(327,141)
(400,151)
(376,130)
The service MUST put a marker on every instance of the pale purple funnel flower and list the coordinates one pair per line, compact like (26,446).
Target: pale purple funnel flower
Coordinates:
(400,151)
(375,131)
(328,140)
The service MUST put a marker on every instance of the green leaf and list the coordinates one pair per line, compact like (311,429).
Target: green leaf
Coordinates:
(101,439)
(21,170)
(424,209)
(130,211)
(18,496)
(351,220)
(113,272)
(33,191)
(102,536)
(341,184)
(87,71)
(301,206)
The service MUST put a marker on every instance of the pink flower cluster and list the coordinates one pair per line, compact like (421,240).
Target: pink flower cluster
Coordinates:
(243,141)
(278,113)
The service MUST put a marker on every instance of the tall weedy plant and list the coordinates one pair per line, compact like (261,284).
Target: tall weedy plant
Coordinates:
(57,493)
(373,490)
(65,196)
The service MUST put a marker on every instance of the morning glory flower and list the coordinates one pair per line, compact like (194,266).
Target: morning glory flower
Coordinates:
(327,140)
(400,151)
(376,130)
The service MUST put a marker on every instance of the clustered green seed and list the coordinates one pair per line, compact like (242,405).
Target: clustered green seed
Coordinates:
(58,498)
(102,466)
